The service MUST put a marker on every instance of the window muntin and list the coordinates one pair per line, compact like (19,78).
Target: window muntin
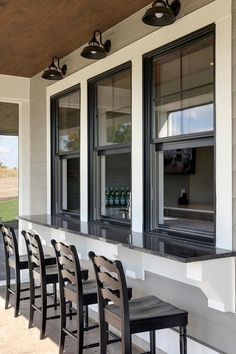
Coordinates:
(184,90)
(68,122)
(114,109)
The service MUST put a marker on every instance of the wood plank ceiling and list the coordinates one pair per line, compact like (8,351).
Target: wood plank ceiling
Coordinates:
(32,31)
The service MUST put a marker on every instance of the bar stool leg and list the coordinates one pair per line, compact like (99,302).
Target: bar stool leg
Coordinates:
(103,337)
(63,325)
(43,309)
(32,302)
(17,305)
(55,295)
(8,285)
(126,343)
(70,310)
(86,319)
(153,342)
(183,340)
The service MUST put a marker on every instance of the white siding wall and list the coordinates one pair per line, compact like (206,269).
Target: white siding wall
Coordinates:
(210,326)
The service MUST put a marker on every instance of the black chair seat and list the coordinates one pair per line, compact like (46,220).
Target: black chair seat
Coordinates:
(89,292)
(157,312)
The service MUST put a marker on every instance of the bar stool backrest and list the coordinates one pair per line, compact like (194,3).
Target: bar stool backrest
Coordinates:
(10,247)
(69,272)
(35,253)
(111,286)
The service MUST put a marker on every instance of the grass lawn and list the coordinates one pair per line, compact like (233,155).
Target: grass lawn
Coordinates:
(9,210)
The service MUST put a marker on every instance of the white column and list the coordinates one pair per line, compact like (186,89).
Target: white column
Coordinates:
(84,152)
(223,134)
(137,144)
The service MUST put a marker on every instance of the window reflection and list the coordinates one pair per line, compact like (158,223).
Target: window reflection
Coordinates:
(114,109)
(188,121)
(184,90)
(71,184)
(116,186)
(68,121)
(186,189)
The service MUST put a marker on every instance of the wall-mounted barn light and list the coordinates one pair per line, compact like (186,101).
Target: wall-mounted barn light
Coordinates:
(162,13)
(55,72)
(96,49)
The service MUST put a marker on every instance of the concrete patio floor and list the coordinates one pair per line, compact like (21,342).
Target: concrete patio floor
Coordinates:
(16,338)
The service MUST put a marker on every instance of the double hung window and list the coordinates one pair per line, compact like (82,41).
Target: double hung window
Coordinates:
(110,146)
(180,130)
(66,153)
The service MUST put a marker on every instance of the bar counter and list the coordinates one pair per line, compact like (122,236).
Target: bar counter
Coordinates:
(159,245)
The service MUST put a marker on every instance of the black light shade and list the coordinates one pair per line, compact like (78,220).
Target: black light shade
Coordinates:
(96,50)
(55,72)
(162,13)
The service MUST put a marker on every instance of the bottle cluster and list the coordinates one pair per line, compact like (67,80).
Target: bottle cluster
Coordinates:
(117,197)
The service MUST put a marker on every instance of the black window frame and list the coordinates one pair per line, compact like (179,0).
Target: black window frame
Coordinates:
(57,156)
(172,142)
(94,150)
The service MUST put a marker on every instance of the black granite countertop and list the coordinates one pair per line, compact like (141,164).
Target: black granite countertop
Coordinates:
(159,245)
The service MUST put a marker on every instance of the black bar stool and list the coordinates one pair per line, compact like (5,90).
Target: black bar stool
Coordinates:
(16,262)
(137,315)
(81,293)
(43,274)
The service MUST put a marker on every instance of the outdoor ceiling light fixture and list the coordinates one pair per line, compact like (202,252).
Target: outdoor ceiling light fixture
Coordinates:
(162,13)
(96,49)
(55,72)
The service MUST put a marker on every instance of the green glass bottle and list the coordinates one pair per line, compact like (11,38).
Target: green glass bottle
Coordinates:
(111,197)
(122,197)
(107,197)
(127,201)
(117,197)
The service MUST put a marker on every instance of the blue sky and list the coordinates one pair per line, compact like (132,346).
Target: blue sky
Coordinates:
(9,150)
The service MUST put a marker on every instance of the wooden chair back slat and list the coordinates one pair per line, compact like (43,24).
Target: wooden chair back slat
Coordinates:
(108,280)
(66,263)
(69,271)
(109,295)
(111,285)
(10,247)
(106,263)
(68,276)
(35,254)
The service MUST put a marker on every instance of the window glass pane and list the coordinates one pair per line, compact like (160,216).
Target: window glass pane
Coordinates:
(71,184)
(114,109)
(69,122)
(186,189)
(116,186)
(184,90)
